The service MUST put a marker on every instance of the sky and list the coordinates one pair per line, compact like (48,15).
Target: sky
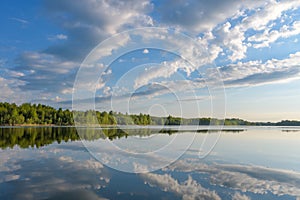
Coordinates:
(185,58)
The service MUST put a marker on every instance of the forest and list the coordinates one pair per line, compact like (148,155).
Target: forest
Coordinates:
(12,114)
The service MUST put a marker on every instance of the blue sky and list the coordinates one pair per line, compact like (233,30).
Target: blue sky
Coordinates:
(254,46)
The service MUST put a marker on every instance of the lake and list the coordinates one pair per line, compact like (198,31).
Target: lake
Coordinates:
(150,163)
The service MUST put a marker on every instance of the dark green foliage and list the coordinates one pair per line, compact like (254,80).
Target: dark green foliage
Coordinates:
(12,114)
(288,123)
(32,114)
(173,120)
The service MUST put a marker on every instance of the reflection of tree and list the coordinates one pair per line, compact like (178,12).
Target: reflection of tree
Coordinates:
(35,137)
(26,137)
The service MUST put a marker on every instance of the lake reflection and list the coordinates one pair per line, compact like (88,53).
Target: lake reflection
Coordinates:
(246,163)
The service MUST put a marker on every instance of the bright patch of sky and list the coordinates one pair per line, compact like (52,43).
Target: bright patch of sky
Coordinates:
(254,45)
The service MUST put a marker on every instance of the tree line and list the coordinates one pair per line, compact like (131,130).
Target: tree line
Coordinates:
(12,114)
(38,114)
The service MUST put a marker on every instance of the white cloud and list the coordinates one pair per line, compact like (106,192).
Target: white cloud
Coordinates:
(89,23)
(257,72)
(85,25)
(6,91)
(146,51)
(61,37)
(57,99)
(201,16)
(45,73)
(58,37)
(9,89)
(232,38)
(139,168)
(270,12)
(45,63)
(267,37)
(107,48)
(165,70)
(198,51)
(193,53)
(107,91)
(67,91)
(224,35)
(22,21)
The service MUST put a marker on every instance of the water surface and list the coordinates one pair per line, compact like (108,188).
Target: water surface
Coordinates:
(246,163)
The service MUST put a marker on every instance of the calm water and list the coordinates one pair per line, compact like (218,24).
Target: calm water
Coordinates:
(245,163)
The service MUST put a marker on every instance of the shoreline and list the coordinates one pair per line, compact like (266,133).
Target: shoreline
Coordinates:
(136,126)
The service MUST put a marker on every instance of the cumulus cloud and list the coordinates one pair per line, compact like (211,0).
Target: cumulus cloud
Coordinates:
(270,36)
(224,35)
(194,55)
(107,91)
(219,28)
(232,39)
(201,16)
(88,24)
(53,70)
(270,12)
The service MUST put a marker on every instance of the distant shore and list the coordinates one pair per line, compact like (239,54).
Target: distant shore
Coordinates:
(34,115)
(122,125)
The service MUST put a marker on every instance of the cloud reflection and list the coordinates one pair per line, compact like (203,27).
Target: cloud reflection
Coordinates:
(51,175)
(187,190)
(255,179)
